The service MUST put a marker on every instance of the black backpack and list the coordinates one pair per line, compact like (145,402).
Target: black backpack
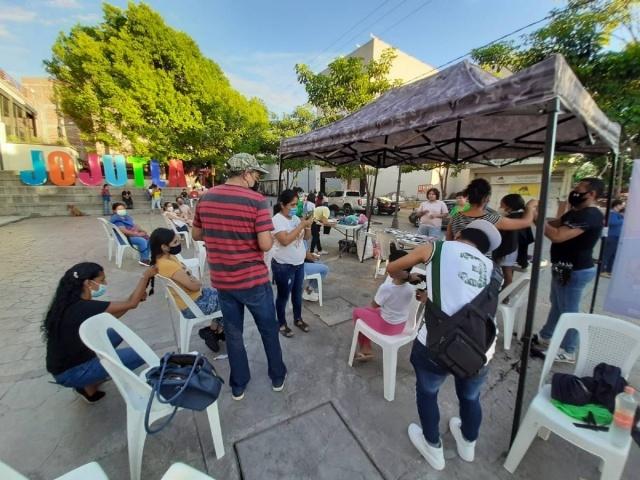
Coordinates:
(458,343)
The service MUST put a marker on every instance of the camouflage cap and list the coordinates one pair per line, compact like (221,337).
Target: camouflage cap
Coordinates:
(245,161)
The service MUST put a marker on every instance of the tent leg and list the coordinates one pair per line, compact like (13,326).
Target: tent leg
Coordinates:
(394,222)
(279,175)
(549,149)
(369,213)
(605,233)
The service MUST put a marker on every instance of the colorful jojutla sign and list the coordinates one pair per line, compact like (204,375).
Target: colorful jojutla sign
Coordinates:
(63,173)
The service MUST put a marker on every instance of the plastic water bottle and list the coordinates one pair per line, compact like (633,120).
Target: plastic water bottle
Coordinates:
(620,428)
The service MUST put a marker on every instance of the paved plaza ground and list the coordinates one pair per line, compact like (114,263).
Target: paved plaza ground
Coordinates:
(331,421)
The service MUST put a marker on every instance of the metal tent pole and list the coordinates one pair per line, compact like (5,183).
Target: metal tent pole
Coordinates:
(394,222)
(369,211)
(549,148)
(605,231)
(279,174)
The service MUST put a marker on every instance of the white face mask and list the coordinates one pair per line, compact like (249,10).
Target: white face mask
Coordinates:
(122,212)
(169,209)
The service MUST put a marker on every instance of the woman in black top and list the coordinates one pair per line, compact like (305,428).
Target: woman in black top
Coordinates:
(69,360)
(127,199)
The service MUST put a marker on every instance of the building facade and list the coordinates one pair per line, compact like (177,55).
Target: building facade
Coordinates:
(17,115)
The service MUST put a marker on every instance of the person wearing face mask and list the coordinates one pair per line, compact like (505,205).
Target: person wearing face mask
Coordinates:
(165,245)
(171,212)
(234,220)
(71,363)
(137,237)
(478,193)
(573,237)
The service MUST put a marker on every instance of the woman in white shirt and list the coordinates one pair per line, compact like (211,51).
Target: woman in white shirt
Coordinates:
(431,214)
(287,263)
(169,212)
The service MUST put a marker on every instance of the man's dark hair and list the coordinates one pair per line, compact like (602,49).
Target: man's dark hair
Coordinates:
(115,205)
(460,194)
(616,203)
(595,185)
(477,237)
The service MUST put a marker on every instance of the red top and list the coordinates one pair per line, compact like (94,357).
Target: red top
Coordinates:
(231,218)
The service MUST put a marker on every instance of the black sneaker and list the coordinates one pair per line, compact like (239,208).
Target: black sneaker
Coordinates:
(90,399)
(210,338)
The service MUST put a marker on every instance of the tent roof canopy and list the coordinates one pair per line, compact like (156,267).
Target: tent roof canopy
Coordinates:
(464,114)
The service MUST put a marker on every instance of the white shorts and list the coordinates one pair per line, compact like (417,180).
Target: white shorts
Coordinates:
(510,260)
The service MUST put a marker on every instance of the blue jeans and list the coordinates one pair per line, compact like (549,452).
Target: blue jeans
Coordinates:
(106,206)
(315,267)
(207,301)
(610,249)
(430,231)
(259,301)
(429,378)
(142,245)
(91,372)
(566,299)
(289,280)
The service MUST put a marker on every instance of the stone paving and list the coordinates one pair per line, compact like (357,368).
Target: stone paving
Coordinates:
(331,422)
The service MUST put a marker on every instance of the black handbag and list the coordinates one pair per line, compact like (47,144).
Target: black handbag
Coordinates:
(184,381)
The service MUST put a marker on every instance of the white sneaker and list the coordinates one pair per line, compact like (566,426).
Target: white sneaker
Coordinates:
(434,456)
(310,296)
(466,449)
(565,357)
(323,253)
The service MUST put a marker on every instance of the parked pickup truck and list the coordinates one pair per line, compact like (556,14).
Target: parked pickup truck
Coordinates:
(348,201)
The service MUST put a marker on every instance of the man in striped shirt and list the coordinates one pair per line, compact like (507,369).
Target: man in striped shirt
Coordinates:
(235,223)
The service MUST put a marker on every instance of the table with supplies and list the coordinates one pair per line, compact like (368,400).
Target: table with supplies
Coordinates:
(350,237)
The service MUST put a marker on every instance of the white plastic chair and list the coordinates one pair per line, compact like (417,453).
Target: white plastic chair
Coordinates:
(602,339)
(192,264)
(122,244)
(107,226)
(201,254)
(390,345)
(89,471)
(384,241)
(180,471)
(509,311)
(186,235)
(318,278)
(134,389)
(186,324)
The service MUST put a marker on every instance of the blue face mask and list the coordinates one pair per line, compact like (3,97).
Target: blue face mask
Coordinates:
(102,289)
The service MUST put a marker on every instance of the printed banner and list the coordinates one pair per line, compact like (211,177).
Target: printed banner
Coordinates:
(623,296)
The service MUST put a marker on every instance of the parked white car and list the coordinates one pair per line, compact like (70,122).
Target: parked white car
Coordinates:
(348,201)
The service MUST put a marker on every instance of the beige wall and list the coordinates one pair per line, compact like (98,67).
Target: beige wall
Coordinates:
(17,156)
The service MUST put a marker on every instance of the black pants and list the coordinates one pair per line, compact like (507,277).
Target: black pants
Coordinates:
(315,237)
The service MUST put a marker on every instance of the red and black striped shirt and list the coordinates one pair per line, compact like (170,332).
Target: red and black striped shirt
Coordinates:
(231,217)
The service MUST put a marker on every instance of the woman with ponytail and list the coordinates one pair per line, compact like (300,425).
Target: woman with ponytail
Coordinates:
(165,245)
(71,363)
(478,193)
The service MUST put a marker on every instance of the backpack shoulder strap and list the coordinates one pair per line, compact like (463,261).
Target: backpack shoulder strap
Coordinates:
(435,261)
(493,286)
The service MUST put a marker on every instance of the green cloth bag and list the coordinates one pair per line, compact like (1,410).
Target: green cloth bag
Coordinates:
(581,412)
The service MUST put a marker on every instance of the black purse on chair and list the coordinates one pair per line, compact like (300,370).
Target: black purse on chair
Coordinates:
(184,381)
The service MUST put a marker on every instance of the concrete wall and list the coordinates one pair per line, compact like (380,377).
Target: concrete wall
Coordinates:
(17,156)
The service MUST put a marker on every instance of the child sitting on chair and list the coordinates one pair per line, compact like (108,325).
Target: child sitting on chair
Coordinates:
(388,311)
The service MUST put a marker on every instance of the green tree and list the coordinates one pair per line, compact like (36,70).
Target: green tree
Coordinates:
(138,86)
(347,85)
(301,120)
(582,32)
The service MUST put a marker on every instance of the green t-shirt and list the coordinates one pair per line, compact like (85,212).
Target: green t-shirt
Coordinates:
(456,210)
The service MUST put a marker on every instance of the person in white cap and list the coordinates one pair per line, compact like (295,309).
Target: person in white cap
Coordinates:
(457,271)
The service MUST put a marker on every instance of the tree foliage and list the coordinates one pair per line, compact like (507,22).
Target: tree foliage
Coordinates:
(348,84)
(583,33)
(136,85)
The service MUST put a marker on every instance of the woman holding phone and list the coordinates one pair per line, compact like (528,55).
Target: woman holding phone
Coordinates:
(69,360)
(287,263)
